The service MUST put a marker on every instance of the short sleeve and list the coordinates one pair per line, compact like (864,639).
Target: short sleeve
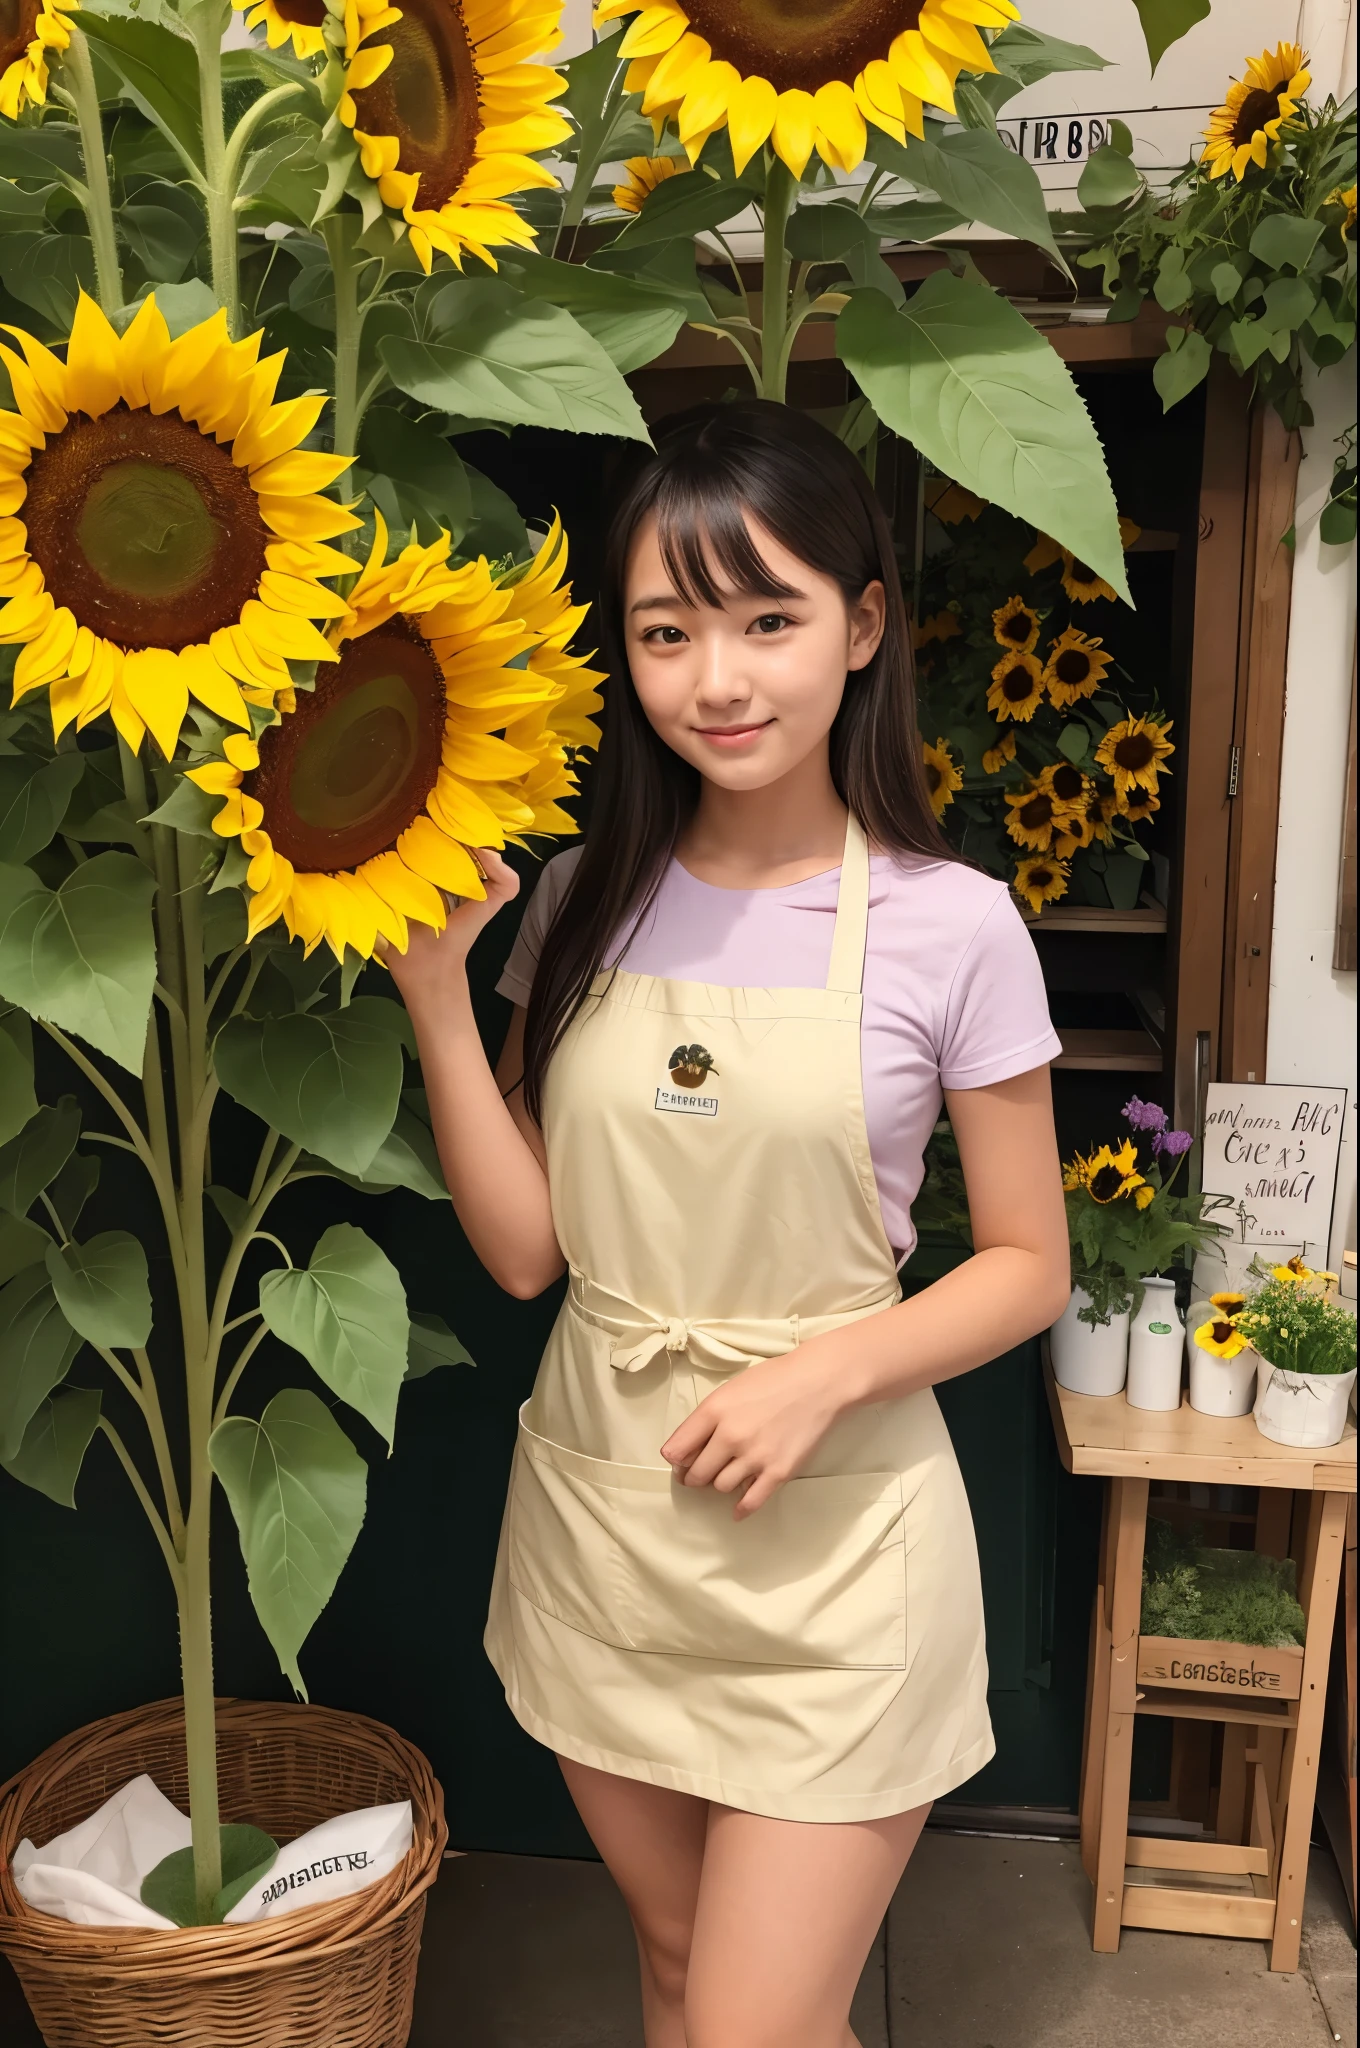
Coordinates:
(518,975)
(996,1020)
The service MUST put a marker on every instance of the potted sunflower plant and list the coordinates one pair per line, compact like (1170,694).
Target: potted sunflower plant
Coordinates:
(1304,1346)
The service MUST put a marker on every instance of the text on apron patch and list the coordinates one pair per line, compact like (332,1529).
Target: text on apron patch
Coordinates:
(689,1105)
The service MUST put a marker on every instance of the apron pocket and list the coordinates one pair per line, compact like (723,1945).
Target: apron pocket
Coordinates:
(626,1554)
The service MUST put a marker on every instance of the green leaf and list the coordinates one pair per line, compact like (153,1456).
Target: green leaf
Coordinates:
(47,271)
(428,474)
(54,1444)
(224,925)
(500,357)
(1108,179)
(83,956)
(1250,339)
(187,809)
(1166,21)
(170,1889)
(297,1488)
(22,1244)
(161,239)
(837,234)
(633,320)
(72,1188)
(37,1349)
(916,220)
(974,172)
(346,1314)
(686,206)
(34,795)
(330,1083)
(964,377)
(103,1289)
(432,1344)
(406,1158)
(1179,371)
(1288,303)
(158,70)
(1074,741)
(1337,524)
(32,1160)
(497,527)
(39,151)
(18,1103)
(1226,280)
(1172,287)
(1284,238)
(1024,56)
(182,305)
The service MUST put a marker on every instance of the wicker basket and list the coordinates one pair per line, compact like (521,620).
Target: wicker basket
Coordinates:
(340,1975)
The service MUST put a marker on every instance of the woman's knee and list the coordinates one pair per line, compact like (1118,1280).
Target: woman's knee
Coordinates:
(664,1948)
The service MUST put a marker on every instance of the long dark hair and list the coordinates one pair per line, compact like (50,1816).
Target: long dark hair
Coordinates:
(711,466)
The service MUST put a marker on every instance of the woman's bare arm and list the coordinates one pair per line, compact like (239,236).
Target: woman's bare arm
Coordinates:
(491,1154)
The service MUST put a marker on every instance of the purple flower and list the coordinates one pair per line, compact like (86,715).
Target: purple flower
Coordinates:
(1145,1116)
(1172,1143)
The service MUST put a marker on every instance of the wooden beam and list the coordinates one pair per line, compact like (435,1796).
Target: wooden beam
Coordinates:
(1223,1859)
(1195,1912)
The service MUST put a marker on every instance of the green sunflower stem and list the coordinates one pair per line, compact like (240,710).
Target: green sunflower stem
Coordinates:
(78,76)
(780,190)
(207,23)
(341,231)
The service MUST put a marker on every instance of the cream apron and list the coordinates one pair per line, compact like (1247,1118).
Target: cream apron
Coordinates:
(823,1660)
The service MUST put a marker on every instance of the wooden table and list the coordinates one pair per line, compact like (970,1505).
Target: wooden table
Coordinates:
(1271,1744)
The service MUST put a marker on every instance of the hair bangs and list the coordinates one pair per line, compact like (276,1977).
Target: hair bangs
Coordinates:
(706,544)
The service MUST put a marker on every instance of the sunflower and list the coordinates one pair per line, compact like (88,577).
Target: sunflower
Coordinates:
(1220,1338)
(446,109)
(645,173)
(1034,815)
(1228,1305)
(1132,752)
(1017,687)
(802,77)
(358,809)
(1081,582)
(171,538)
(1241,131)
(1136,805)
(942,777)
(951,502)
(939,626)
(995,758)
(300,20)
(1040,880)
(1015,626)
(1109,1176)
(553,729)
(1295,1272)
(30,29)
(1046,552)
(1066,784)
(1075,667)
(1344,195)
(1093,824)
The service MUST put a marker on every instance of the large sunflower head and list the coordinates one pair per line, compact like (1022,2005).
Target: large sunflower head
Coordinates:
(1033,815)
(1075,667)
(297,21)
(644,174)
(1067,785)
(803,75)
(1241,131)
(1040,880)
(1015,626)
(1017,687)
(1110,1176)
(1132,753)
(172,536)
(429,736)
(28,30)
(942,777)
(447,105)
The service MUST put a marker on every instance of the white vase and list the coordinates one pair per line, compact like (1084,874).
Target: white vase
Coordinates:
(1156,1344)
(1089,1358)
(1304,1408)
(1218,1386)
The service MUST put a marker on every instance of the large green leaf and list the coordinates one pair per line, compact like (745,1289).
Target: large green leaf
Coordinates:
(1024,55)
(32,1160)
(103,1289)
(838,233)
(347,1315)
(500,357)
(22,1244)
(297,1488)
(1185,365)
(33,799)
(83,956)
(47,271)
(432,1344)
(963,376)
(686,206)
(331,1083)
(72,1188)
(161,239)
(406,1158)
(633,320)
(428,476)
(1108,178)
(18,1103)
(54,1444)
(1285,238)
(1166,21)
(158,70)
(974,172)
(37,1347)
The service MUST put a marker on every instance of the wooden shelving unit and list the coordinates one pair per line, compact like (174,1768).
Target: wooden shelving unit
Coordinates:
(1148,918)
(1110,1052)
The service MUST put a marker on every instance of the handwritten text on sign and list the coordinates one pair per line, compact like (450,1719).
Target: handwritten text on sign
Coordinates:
(1272,1149)
(1069,139)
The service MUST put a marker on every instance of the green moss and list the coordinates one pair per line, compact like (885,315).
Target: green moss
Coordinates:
(1202,1594)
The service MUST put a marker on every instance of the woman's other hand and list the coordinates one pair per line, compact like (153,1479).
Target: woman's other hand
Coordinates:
(758,1429)
(434,965)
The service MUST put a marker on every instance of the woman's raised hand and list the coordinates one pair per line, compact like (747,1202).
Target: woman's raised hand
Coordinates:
(434,965)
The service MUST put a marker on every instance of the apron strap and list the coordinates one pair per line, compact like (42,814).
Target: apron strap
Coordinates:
(845,971)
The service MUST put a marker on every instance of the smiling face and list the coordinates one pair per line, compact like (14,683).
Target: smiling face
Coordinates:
(745,690)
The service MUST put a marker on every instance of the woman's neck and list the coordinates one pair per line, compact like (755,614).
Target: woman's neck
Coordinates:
(766,838)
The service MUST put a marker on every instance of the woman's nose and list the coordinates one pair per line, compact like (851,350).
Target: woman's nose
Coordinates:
(720,673)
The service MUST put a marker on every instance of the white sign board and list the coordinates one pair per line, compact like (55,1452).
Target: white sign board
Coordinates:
(1272,1149)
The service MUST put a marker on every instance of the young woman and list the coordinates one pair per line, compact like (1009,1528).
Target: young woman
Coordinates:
(738,1588)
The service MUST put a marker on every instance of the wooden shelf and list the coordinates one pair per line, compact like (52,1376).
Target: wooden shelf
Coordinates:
(1148,918)
(1168,1705)
(1110,1052)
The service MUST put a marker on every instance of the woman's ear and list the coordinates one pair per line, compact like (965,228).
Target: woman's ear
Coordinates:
(868,616)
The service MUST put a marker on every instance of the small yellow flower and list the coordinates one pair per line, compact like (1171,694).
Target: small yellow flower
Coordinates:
(1040,880)
(1221,1339)
(1228,1305)
(1344,195)
(942,777)
(645,173)
(1144,1195)
(1137,805)
(297,21)
(1015,626)
(1241,131)
(1109,1176)
(1017,687)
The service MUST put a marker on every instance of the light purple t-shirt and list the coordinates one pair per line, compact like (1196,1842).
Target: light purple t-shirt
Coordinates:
(953,993)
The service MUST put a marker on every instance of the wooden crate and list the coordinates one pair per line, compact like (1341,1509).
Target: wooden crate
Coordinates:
(1241,1669)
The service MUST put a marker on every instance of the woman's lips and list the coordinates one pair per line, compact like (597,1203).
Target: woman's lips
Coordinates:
(731,737)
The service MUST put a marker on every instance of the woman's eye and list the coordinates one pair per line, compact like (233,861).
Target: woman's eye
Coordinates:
(770,622)
(664,636)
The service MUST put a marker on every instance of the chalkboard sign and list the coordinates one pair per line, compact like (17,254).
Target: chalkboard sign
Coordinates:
(1272,1149)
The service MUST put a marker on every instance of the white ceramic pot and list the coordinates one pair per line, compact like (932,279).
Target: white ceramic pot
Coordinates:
(1089,1358)
(1156,1345)
(1218,1386)
(1306,1408)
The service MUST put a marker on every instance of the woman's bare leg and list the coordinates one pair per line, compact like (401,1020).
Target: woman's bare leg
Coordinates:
(786,1914)
(652,1841)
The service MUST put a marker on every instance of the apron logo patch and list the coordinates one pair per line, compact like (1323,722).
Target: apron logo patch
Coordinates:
(688,1105)
(690,1064)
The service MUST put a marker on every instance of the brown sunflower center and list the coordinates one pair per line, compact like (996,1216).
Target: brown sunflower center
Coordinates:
(1080,572)
(1221,1332)
(1016,627)
(1068,783)
(17,20)
(306,13)
(352,766)
(1134,752)
(933,777)
(1017,685)
(1072,667)
(427,98)
(1039,877)
(1106,1184)
(1037,813)
(801,43)
(144,528)
(1257,108)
